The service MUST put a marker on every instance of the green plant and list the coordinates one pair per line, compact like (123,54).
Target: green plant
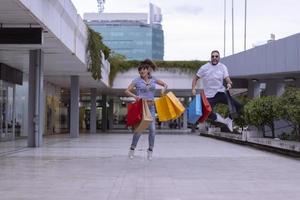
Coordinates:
(120,64)
(290,103)
(94,48)
(263,112)
(241,120)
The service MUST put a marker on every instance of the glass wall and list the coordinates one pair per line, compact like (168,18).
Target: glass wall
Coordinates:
(136,42)
(7,94)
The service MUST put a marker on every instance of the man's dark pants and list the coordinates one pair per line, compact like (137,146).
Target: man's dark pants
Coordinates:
(221,97)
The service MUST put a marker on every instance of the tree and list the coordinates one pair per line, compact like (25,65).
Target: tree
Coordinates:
(290,103)
(263,112)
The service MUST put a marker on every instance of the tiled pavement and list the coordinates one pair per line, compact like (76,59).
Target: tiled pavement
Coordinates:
(184,167)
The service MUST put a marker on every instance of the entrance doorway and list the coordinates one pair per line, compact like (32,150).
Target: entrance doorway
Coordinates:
(8,126)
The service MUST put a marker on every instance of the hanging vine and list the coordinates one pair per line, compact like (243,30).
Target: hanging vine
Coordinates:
(94,48)
(118,63)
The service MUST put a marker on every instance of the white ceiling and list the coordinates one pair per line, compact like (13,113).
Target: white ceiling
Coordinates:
(59,62)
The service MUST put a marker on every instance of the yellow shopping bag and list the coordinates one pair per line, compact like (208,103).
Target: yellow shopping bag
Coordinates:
(164,109)
(177,105)
(168,107)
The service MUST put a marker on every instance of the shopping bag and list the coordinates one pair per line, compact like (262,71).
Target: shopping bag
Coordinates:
(164,109)
(171,108)
(195,109)
(232,109)
(134,112)
(206,108)
(146,120)
(178,107)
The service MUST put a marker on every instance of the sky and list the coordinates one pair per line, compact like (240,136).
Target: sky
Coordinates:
(193,28)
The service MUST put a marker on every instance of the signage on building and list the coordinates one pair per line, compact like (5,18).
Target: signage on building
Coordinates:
(10,74)
(21,35)
(155,14)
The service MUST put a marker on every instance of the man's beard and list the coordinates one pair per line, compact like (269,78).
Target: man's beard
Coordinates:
(214,63)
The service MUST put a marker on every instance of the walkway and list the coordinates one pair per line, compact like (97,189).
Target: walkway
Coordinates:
(184,167)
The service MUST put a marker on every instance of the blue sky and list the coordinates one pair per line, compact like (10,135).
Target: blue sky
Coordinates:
(193,28)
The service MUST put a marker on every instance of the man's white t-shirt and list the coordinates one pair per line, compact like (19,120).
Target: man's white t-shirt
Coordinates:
(212,77)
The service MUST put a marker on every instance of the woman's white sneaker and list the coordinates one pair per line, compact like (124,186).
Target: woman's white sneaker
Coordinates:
(149,154)
(131,154)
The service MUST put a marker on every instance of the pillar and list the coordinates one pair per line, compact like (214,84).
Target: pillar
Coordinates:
(253,89)
(104,113)
(93,115)
(275,87)
(35,98)
(74,107)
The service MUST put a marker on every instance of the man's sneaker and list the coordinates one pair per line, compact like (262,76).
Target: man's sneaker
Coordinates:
(131,154)
(149,154)
(229,124)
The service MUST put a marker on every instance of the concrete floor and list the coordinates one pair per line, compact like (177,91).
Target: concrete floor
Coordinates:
(184,167)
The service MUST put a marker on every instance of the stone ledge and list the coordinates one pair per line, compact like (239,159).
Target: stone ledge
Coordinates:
(274,145)
(282,144)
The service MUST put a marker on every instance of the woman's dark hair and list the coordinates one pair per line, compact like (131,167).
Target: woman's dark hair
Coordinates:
(147,63)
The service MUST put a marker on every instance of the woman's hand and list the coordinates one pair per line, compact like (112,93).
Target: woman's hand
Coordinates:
(136,97)
(164,89)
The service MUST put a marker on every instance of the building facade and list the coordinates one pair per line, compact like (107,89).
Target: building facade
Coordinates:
(129,34)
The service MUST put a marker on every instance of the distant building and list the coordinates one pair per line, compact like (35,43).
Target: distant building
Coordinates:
(131,34)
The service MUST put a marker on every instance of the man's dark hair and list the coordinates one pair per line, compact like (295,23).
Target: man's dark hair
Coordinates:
(215,51)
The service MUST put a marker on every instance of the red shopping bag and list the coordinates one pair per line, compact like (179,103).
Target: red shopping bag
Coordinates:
(134,112)
(206,108)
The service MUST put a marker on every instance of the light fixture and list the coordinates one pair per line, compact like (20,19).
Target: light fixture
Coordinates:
(254,80)
(289,79)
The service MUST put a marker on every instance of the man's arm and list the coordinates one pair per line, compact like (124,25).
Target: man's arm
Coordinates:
(194,83)
(228,82)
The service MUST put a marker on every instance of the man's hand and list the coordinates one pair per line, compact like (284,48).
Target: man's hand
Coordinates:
(229,86)
(193,92)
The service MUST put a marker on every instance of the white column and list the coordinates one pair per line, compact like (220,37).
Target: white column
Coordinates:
(74,111)
(275,87)
(185,120)
(298,83)
(14,113)
(104,113)
(253,89)
(93,116)
(36,99)
(24,131)
(110,114)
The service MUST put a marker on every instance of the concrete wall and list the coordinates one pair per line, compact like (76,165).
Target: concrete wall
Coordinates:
(61,18)
(175,79)
(105,70)
(280,56)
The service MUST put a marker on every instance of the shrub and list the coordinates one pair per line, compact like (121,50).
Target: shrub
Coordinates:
(263,112)
(290,103)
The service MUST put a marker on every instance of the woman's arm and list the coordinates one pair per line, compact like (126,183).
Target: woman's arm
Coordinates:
(163,84)
(129,93)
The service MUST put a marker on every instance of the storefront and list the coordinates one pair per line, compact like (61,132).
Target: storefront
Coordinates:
(12,103)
